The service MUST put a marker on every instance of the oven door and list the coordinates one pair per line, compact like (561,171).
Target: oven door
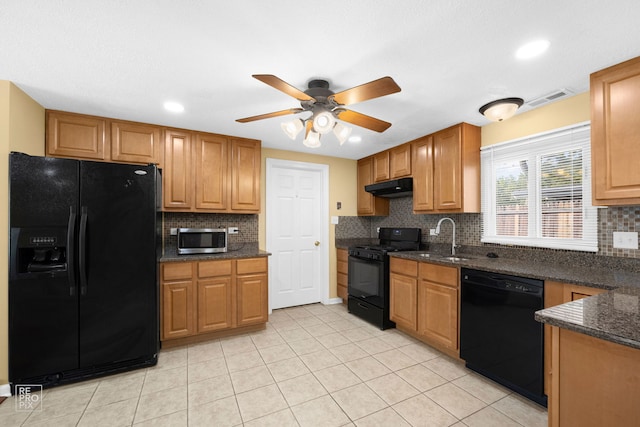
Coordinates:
(367,280)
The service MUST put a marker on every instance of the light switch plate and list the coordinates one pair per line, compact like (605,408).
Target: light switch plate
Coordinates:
(232,230)
(625,239)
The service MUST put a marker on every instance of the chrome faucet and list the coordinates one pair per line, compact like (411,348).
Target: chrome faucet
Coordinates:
(453,240)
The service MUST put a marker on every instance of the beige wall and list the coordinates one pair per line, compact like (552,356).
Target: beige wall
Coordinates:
(21,129)
(342,188)
(556,115)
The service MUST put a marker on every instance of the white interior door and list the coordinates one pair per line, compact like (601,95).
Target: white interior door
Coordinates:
(297,232)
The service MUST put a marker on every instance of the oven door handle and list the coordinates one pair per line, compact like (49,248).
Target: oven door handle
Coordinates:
(361,305)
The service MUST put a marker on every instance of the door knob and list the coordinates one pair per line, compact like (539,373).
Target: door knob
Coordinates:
(317,243)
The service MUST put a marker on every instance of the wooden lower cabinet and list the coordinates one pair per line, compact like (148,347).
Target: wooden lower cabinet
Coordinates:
(342,256)
(211,296)
(596,382)
(178,301)
(424,301)
(556,293)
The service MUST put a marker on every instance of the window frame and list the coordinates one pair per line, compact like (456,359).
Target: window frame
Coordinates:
(532,148)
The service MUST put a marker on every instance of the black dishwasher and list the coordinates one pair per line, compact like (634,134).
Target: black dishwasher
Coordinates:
(499,337)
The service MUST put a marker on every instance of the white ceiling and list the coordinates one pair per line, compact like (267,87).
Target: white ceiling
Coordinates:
(123,59)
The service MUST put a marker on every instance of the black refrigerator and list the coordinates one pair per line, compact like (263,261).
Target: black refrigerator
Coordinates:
(83,289)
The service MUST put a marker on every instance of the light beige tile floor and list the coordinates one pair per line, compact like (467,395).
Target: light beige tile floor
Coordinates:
(313,365)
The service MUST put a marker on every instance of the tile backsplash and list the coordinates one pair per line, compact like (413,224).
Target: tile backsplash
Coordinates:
(247,225)
(469,227)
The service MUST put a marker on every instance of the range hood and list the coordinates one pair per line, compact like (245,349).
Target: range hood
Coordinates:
(402,187)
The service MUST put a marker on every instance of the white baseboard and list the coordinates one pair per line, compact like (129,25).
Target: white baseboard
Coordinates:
(5,390)
(334,301)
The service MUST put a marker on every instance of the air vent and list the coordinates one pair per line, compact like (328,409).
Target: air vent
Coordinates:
(553,96)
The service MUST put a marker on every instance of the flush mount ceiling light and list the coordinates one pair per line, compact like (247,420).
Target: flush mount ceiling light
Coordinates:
(326,107)
(174,107)
(502,109)
(532,49)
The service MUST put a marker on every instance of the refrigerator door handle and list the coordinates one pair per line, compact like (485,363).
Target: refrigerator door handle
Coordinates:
(82,251)
(71,267)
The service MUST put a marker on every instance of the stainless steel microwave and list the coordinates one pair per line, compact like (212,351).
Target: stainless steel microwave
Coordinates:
(202,240)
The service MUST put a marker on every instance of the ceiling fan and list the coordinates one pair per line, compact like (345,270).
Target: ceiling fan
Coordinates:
(326,106)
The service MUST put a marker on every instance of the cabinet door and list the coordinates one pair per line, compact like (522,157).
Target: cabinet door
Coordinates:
(343,274)
(381,166)
(178,308)
(135,143)
(177,173)
(615,134)
(400,161)
(211,159)
(403,300)
(252,300)
(76,136)
(245,175)
(447,173)
(422,167)
(438,313)
(367,204)
(215,304)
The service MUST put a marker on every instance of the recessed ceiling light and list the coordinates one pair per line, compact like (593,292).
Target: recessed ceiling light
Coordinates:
(355,139)
(532,49)
(174,107)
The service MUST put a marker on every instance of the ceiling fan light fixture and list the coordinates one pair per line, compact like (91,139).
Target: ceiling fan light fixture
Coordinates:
(501,109)
(292,128)
(323,122)
(341,132)
(312,140)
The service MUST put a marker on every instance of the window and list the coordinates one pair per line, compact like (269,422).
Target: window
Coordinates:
(537,191)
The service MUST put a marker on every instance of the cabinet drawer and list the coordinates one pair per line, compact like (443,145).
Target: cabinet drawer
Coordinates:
(252,265)
(214,268)
(404,266)
(177,271)
(439,273)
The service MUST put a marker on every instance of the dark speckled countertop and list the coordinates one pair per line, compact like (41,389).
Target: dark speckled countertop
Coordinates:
(246,250)
(613,316)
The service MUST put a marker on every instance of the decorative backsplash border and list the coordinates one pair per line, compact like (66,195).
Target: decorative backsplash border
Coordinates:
(469,228)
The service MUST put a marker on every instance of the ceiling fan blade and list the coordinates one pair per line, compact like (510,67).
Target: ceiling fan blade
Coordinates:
(309,127)
(363,120)
(283,86)
(269,115)
(375,89)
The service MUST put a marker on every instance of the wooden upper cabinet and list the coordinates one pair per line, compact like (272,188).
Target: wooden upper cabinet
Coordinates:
(422,167)
(135,143)
(245,175)
(76,136)
(615,134)
(368,205)
(456,169)
(211,172)
(177,173)
(400,161)
(381,166)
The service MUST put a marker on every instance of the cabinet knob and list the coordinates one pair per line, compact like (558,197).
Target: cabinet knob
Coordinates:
(317,243)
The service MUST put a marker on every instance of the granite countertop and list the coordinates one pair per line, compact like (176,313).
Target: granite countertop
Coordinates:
(613,316)
(246,250)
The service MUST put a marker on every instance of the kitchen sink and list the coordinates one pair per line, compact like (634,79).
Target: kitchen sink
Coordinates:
(453,258)
(450,258)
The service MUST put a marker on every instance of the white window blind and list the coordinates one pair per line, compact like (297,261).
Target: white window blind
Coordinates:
(537,191)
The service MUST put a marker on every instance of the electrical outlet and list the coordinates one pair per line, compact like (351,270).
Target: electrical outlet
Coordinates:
(432,232)
(173,231)
(335,220)
(378,230)
(625,240)
(233,230)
